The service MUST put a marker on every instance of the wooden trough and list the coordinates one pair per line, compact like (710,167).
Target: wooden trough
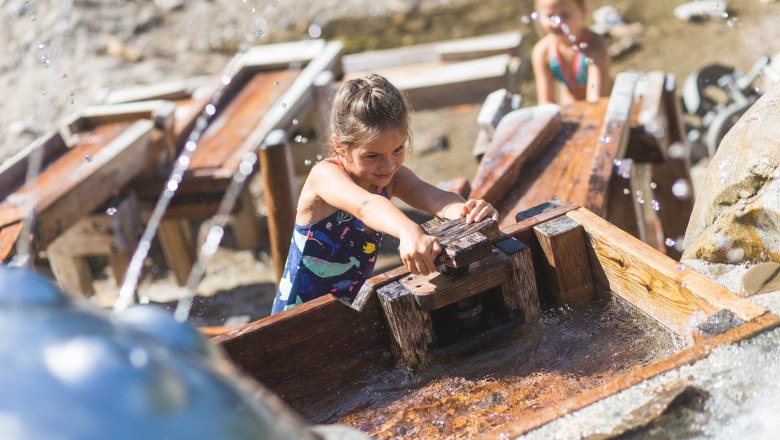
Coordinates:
(574,252)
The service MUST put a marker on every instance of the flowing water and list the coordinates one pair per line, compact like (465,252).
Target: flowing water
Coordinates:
(521,371)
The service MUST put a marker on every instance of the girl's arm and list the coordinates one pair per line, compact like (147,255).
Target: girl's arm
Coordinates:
(545,83)
(599,80)
(423,196)
(334,186)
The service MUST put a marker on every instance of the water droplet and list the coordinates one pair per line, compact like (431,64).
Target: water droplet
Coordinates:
(626,175)
(315,31)
(589,61)
(535,16)
(225,80)
(626,191)
(656,205)
(653,185)
(301,139)
(669,242)
(260,34)
(725,15)
(681,189)
(43,92)
(45,62)
(525,19)
(681,266)
(604,139)
(276,83)
(640,200)
(575,48)
(88,158)
(735,255)
(307,162)
(252,10)
(295,121)
(556,19)
(41,46)
(567,31)
(583,45)
(111,211)
(211,109)
(319,157)
(284,105)
(172,185)
(677,151)
(617,162)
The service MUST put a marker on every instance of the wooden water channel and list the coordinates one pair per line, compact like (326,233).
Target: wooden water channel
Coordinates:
(608,161)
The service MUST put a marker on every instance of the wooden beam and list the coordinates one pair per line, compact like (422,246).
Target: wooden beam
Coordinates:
(324,92)
(496,105)
(649,133)
(246,222)
(436,290)
(13,171)
(652,282)
(411,328)
(520,136)
(519,292)
(278,182)
(621,200)
(72,273)
(166,90)
(566,270)
(646,206)
(276,56)
(159,111)
(178,246)
(613,140)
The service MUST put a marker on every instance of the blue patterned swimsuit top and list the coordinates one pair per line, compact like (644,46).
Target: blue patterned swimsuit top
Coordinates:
(334,255)
(577,75)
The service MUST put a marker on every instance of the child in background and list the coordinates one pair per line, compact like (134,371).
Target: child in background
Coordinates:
(344,206)
(570,53)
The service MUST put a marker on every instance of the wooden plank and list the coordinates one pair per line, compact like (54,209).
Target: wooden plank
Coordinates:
(528,421)
(237,120)
(438,85)
(13,171)
(450,230)
(652,282)
(87,175)
(566,270)
(296,101)
(436,290)
(166,90)
(368,290)
(520,136)
(72,273)
(276,56)
(410,327)
(9,234)
(563,169)
(301,342)
(245,221)
(613,140)
(280,200)
(178,246)
(93,116)
(496,105)
(324,92)
(621,199)
(519,292)
(649,134)
(461,252)
(646,206)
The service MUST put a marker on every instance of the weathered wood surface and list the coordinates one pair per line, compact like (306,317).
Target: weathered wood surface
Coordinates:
(528,421)
(434,85)
(566,270)
(646,206)
(652,282)
(178,246)
(613,140)
(436,290)
(14,170)
(519,293)
(520,136)
(563,168)
(280,195)
(302,343)
(236,121)
(85,177)
(411,327)
(453,50)
(462,243)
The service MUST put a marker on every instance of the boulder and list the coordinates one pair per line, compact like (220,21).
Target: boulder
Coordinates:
(736,217)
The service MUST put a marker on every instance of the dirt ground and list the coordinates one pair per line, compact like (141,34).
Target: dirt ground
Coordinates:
(60,56)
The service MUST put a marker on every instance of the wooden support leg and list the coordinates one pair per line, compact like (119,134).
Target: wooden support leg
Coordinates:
(178,246)
(567,272)
(126,228)
(519,293)
(646,206)
(72,272)
(278,179)
(411,327)
(323,95)
(246,224)
(620,202)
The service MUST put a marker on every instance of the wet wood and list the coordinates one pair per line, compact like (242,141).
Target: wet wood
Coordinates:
(520,136)
(563,168)
(411,328)
(238,119)
(462,243)
(280,200)
(519,292)
(299,344)
(529,421)
(14,170)
(368,290)
(178,246)
(613,140)
(651,282)
(436,290)
(621,198)
(245,221)
(565,265)
(530,217)
(646,206)
(649,132)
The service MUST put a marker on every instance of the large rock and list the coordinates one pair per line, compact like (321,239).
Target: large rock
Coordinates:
(736,217)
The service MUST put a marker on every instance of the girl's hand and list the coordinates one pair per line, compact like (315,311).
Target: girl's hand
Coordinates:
(476,209)
(418,250)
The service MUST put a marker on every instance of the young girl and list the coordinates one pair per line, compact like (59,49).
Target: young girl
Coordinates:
(345,207)
(570,53)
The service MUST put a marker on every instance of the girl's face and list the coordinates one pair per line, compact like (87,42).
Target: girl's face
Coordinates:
(375,163)
(561,17)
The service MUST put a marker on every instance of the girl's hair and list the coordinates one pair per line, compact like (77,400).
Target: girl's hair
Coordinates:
(365,107)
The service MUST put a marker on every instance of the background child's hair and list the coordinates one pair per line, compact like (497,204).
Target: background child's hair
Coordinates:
(365,107)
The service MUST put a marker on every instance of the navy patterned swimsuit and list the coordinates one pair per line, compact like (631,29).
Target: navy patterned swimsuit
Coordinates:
(334,255)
